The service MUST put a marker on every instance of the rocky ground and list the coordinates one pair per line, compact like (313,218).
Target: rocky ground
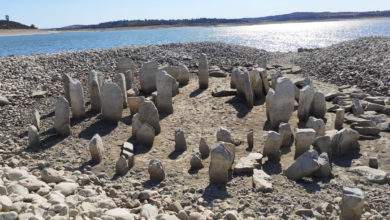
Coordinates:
(58,180)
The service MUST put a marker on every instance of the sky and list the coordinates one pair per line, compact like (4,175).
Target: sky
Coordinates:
(59,13)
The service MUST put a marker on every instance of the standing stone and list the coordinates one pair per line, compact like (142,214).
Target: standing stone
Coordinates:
(156,170)
(203,74)
(344,141)
(147,77)
(234,79)
(224,135)
(256,82)
(325,169)
(133,104)
(357,108)
(148,113)
(264,79)
(112,102)
(318,106)
(287,135)
(317,124)
(272,145)
(180,141)
(62,117)
(77,98)
(249,139)
(221,162)
(36,119)
(164,92)
(126,66)
(120,80)
(306,96)
(339,120)
(305,165)
(135,124)
(94,91)
(352,203)
(196,161)
(303,139)
(204,148)
(122,166)
(96,148)
(275,75)
(323,145)
(180,73)
(280,102)
(247,89)
(33,137)
(65,82)
(145,135)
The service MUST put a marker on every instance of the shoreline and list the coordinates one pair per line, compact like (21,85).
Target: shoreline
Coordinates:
(24,32)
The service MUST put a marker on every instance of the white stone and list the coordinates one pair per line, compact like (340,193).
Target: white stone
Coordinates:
(147,76)
(112,102)
(96,148)
(180,73)
(149,211)
(94,91)
(65,81)
(148,113)
(66,188)
(36,119)
(120,80)
(120,214)
(76,98)
(272,145)
(257,82)
(164,92)
(306,96)
(261,181)
(62,117)
(33,137)
(203,74)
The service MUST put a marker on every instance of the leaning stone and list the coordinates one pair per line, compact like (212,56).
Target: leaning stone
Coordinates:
(325,169)
(261,181)
(249,139)
(245,165)
(317,124)
(77,98)
(145,135)
(65,81)
(36,119)
(204,148)
(180,73)
(339,120)
(371,174)
(112,102)
(122,166)
(196,161)
(33,137)
(96,148)
(287,135)
(272,145)
(180,141)
(344,141)
(303,139)
(280,102)
(147,77)
(318,106)
(304,165)
(203,74)
(352,203)
(222,158)
(164,84)
(306,96)
(120,80)
(156,170)
(62,117)
(224,135)
(323,145)
(148,113)
(133,104)
(357,108)
(94,91)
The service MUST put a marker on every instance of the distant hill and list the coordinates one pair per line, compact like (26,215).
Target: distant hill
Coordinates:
(297,16)
(4,24)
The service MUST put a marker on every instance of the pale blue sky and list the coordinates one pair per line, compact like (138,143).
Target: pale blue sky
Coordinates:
(58,13)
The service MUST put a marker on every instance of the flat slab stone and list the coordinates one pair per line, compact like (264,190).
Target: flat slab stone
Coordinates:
(371,174)
(245,165)
(261,181)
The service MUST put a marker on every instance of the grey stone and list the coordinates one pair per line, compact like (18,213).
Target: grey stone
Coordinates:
(224,135)
(323,144)
(164,84)
(196,161)
(62,117)
(303,139)
(156,170)
(126,66)
(261,181)
(94,91)
(370,131)
(204,148)
(120,80)
(280,102)
(257,82)
(50,175)
(371,174)
(5,203)
(8,215)
(135,124)
(344,141)
(147,77)
(145,135)
(33,137)
(148,113)
(357,108)
(122,166)
(287,135)
(234,78)
(272,145)
(373,162)
(247,89)
(245,165)
(339,120)
(4,101)
(180,73)
(203,74)
(318,106)
(96,148)
(133,104)
(76,98)
(305,165)
(317,124)
(66,188)
(180,141)
(112,102)
(36,119)
(65,82)
(249,139)
(352,203)
(264,79)
(325,169)
(275,75)
(306,96)
(222,159)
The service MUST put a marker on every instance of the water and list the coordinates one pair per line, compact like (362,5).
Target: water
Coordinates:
(271,37)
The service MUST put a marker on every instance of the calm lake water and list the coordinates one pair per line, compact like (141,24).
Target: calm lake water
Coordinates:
(271,37)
